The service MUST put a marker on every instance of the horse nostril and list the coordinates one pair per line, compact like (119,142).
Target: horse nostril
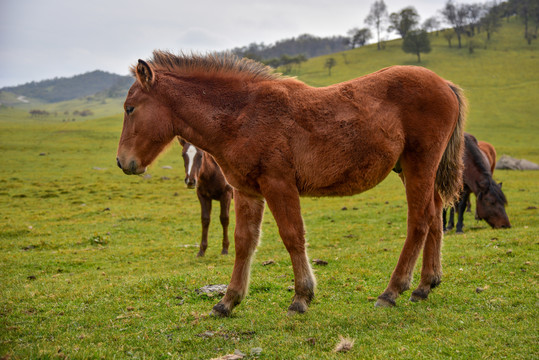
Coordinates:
(118,163)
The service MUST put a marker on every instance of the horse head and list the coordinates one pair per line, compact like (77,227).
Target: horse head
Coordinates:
(147,126)
(491,203)
(192,161)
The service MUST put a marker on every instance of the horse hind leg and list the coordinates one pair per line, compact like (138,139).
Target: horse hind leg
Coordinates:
(421,214)
(431,273)
(205,217)
(249,213)
(225,219)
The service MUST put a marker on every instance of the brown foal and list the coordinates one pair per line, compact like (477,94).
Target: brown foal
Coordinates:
(276,139)
(203,173)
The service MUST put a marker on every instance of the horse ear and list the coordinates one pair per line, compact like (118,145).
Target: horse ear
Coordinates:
(500,184)
(145,74)
(182,141)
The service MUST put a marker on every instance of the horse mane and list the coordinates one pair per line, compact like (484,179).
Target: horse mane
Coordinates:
(211,64)
(472,149)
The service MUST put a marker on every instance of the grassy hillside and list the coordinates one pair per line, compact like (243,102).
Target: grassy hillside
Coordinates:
(96,264)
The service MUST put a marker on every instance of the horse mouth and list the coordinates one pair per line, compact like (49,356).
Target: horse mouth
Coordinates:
(191,186)
(132,169)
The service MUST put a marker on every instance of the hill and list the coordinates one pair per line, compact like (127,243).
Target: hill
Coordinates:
(105,84)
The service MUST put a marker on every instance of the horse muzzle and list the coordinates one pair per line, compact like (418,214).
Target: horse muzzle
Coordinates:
(191,183)
(132,167)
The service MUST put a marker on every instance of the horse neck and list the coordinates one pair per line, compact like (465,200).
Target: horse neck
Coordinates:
(200,107)
(208,167)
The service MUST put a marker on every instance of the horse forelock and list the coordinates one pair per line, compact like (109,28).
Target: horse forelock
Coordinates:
(211,63)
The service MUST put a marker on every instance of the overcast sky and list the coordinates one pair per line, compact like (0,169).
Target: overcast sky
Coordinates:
(43,39)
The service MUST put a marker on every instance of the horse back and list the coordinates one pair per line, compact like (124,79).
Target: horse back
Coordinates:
(350,135)
(489,152)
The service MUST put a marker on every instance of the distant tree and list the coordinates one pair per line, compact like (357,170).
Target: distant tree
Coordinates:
(448,35)
(273,62)
(528,11)
(403,21)
(416,42)
(492,20)
(330,63)
(286,62)
(376,18)
(308,45)
(431,24)
(473,44)
(86,113)
(39,113)
(457,16)
(475,12)
(359,37)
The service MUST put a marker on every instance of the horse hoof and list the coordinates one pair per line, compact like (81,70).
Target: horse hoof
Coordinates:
(200,254)
(418,295)
(296,308)
(291,313)
(385,301)
(220,310)
(224,252)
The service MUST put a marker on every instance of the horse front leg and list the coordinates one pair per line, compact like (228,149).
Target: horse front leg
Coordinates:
(451,223)
(283,201)
(461,208)
(444,219)
(225,219)
(249,213)
(205,217)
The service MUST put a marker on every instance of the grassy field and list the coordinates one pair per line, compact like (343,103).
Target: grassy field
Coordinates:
(96,264)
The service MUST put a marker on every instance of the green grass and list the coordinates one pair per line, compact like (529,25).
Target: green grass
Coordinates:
(96,264)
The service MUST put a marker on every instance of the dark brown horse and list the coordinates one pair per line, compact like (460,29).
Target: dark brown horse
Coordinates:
(477,179)
(276,139)
(203,173)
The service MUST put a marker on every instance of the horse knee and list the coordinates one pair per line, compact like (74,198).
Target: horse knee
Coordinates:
(224,220)
(206,221)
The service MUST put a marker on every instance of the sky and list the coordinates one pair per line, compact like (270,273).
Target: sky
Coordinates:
(44,39)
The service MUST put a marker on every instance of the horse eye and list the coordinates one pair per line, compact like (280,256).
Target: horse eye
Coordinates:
(129,110)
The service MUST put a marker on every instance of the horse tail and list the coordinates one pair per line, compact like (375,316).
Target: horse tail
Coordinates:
(449,175)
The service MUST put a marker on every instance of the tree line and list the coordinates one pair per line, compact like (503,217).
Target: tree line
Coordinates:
(291,52)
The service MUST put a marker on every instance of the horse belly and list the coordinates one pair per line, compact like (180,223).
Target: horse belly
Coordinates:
(343,178)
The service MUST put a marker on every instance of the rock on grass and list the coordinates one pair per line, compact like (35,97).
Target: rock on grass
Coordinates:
(344,345)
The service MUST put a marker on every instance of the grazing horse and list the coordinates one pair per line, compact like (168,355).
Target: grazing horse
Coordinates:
(202,172)
(479,163)
(276,139)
